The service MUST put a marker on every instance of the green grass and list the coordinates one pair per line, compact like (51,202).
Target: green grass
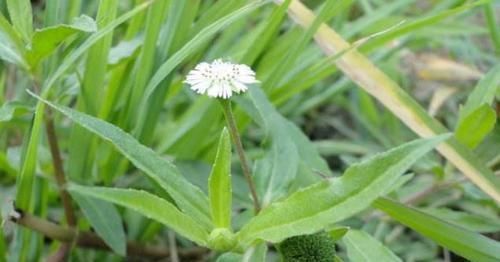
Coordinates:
(341,82)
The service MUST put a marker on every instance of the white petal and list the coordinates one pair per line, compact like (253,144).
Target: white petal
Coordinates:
(238,87)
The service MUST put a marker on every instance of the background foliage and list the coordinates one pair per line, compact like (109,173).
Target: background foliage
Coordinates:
(105,82)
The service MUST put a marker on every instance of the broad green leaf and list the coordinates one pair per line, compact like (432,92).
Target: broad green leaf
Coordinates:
(329,201)
(465,243)
(21,17)
(219,183)
(364,73)
(188,197)
(45,41)
(105,219)
(13,109)
(150,206)
(361,247)
(483,93)
(476,125)
(476,223)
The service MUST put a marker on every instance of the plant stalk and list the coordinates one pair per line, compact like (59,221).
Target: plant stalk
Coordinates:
(93,241)
(235,136)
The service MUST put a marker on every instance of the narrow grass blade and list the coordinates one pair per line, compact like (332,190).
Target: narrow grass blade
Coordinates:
(25,181)
(375,82)
(468,244)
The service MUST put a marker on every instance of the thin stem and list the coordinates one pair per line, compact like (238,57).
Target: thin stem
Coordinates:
(60,177)
(93,241)
(233,130)
(59,170)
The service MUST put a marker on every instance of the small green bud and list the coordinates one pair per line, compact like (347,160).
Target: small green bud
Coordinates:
(222,239)
(317,247)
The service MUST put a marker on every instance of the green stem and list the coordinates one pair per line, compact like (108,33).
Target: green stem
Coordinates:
(489,12)
(235,136)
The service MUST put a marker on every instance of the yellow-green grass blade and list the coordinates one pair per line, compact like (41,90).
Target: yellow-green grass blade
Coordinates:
(364,73)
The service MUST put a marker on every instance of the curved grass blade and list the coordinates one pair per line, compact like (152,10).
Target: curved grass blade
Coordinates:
(468,244)
(26,176)
(359,68)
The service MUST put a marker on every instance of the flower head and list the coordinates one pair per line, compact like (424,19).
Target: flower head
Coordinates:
(220,78)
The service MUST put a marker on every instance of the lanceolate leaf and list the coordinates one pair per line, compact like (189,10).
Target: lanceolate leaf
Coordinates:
(361,247)
(468,244)
(27,173)
(219,190)
(105,219)
(330,201)
(188,197)
(150,206)
(360,69)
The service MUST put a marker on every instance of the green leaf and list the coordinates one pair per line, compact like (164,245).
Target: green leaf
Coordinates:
(27,173)
(105,219)
(289,148)
(219,190)
(123,51)
(11,49)
(363,247)
(472,222)
(150,206)
(21,17)
(329,201)
(13,109)
(188,197)
(337,232)
(45,41)
(483,93)
(275,172)
(472,129)
(254,254)
(465,243)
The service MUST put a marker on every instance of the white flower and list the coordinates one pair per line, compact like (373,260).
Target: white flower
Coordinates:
(220,79)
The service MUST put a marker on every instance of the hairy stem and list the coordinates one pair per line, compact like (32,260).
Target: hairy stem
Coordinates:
(235,136)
